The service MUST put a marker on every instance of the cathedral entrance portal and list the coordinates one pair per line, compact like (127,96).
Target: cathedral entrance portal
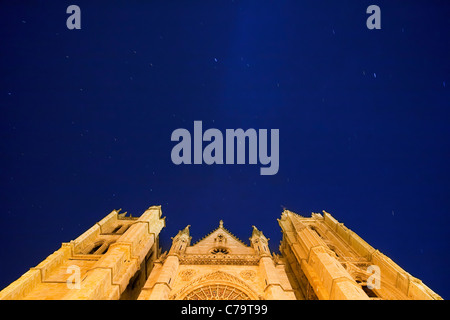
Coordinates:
(217,285)
(216,292)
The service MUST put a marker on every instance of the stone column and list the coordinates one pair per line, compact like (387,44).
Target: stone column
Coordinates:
(159,284)
(273,290)
(163,285)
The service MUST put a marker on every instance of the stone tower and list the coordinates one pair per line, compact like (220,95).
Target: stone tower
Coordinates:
(109,261)
(119,258)
(332,262)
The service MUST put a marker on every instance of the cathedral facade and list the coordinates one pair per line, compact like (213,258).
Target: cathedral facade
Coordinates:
(120,258)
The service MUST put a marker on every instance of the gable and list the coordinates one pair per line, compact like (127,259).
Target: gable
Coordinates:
(220,240)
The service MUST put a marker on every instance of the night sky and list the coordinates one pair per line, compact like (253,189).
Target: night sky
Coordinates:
(363,115)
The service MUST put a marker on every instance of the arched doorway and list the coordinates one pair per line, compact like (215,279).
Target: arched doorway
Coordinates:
(216,292)
(217,285)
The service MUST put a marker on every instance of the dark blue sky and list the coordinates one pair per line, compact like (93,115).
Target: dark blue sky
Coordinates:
(87,115)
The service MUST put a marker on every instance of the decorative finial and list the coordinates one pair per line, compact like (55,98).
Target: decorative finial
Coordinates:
(185,230)
(256,232)
(221,223)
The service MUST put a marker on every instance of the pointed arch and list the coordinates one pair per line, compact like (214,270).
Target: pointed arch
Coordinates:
(217,285)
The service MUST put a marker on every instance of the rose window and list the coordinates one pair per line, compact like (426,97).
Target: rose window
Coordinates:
(217,292)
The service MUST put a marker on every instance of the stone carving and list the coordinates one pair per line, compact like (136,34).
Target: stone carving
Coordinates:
(242,259)
(216,292)
(224,279)
(220,239)
(187,274)
(248,274)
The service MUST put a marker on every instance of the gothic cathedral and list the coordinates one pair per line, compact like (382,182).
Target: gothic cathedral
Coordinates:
(120,258)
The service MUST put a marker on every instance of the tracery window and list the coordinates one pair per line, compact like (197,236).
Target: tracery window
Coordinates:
(219,250)
(217,292)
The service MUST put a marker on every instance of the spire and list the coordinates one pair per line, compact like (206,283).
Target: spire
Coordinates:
(256,232)
(180,241)
(181,233)
(259,242)
(221,223)
(185,230)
